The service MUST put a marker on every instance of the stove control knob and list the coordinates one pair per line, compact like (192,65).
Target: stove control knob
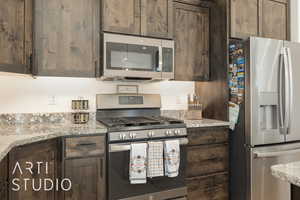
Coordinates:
(122,136)
(177,132)
(168,133)
(150,134)
(132,135)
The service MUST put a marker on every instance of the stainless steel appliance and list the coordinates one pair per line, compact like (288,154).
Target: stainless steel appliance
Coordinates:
(268,129)
(133,57)
(132,118)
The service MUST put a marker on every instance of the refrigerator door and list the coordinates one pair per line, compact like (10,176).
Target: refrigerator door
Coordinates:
(292,52)
(262,91)
(263,185)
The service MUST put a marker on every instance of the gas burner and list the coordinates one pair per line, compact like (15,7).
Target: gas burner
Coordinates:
(119,122)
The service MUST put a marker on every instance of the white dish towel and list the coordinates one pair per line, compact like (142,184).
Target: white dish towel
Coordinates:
(138,163)
(155,159)
(172,157)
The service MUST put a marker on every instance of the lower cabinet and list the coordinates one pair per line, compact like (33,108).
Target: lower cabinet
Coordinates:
(4,179)
(213,187)
(207,164)
(87,178)
(33,171)
(84,166)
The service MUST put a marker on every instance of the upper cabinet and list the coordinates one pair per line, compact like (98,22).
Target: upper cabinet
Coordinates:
(191,25)
(122,16)
(244,18)
(153,18)
(265,18)
(67,37)
(15,35)
(275,19)
(157,18)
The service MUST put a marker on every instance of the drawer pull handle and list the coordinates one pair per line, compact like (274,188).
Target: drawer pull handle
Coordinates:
(86,144)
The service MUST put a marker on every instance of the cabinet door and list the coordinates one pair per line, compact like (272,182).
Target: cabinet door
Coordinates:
(67,37)
(45,152)
(122,16)
(213,187)
(244,18)
(3,179)
(157,18)
(88,178)
(274,14)
(191,42)
(207,159)
(15,35)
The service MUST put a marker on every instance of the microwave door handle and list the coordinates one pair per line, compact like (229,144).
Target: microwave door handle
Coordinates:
(160,62)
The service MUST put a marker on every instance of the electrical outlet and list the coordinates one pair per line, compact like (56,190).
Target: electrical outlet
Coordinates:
(52,100)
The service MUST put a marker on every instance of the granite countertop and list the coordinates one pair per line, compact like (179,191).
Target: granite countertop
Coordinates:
(205,123)
(289,172)
(21,129)
(21,134)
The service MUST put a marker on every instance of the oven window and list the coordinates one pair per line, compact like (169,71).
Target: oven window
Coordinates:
(119,184)
(131,57)
(167,54)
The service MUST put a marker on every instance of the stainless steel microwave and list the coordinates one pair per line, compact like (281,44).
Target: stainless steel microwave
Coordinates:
(137,58)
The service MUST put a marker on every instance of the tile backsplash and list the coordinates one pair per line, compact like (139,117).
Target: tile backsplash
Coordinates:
(23,94)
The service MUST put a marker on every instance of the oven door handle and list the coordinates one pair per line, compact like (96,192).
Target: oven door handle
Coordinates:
(127,146)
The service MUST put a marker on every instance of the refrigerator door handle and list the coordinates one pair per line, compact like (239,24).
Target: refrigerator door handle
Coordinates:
(280,93)
(275,153)
(290,87)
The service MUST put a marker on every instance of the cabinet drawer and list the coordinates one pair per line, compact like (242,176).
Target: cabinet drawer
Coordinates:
(208,187)
(207,159)
(213,135)
(84,146)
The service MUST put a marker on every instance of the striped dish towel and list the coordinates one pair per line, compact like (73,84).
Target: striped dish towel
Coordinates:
(155,159)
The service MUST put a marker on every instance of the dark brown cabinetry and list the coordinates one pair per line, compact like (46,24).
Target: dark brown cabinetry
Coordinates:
(87,178)
(152,18)
(29,157)
(67,37)
(84,164)
(191,32)
(15,35)
(275,19)
(244,18)
(4,179)
(266,18)
(207,161)
(121,16)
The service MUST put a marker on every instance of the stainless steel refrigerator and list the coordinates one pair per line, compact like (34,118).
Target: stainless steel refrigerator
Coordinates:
(268,128)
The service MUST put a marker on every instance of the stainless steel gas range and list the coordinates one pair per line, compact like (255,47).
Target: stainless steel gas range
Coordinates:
(136,119)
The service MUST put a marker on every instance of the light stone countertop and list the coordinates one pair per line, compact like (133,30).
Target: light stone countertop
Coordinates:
(289,172)
(205,123)
(19,134)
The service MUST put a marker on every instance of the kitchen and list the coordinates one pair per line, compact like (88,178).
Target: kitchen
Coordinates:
(62,61)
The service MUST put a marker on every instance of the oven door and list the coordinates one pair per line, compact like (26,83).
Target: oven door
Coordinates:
(158,188)
(132,57)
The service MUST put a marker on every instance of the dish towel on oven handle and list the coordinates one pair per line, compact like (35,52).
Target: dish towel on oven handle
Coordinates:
(155,159)
(172,157)
(138,163)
